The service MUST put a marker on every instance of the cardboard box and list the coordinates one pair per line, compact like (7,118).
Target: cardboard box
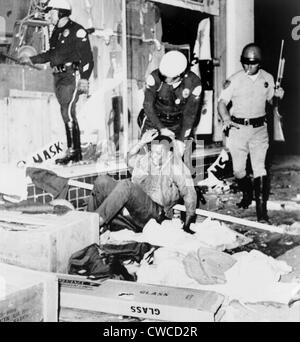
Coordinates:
(28,296)
(145,301)
(45,242)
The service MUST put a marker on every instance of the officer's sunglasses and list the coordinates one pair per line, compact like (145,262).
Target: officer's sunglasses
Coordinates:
(249,61)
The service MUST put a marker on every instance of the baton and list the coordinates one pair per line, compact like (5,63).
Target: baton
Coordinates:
(18,62)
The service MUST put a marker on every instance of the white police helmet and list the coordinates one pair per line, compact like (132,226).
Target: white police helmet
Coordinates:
(173,64)
(59,4)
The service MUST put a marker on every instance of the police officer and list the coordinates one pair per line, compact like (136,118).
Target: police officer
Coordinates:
(172,98)
(69,54)
(248,90)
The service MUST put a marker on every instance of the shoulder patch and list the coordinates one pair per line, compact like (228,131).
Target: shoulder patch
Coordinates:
(81,33)
(197,91)
(150,81)
(226,84)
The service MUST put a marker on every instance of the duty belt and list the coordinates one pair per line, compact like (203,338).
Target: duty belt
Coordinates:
(255,122)
(57,69)
(171,118)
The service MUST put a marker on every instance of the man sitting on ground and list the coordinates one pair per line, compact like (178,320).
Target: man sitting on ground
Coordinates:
(159,180)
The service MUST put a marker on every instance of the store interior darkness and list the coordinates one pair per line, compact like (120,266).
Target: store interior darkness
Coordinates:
(273,22)
(180,25)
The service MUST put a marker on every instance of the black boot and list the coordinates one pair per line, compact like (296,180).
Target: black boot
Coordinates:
(74,150)
(261,190)
(69,144)
(245,185)
(77,141)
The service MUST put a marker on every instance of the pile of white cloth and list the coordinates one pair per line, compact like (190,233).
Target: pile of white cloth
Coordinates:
(170,234)
(253,278)
(214,233)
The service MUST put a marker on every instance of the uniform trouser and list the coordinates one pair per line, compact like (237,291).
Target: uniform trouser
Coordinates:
(66,94)
(248,140)
(109,197)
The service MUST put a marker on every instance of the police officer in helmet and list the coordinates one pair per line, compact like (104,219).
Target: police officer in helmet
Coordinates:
(248,90)
(172,98)
(70,56)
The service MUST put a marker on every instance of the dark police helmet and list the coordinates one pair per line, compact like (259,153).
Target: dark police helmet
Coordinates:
(251,54)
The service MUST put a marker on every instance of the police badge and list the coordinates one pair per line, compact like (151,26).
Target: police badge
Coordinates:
(66,33)
(186,93)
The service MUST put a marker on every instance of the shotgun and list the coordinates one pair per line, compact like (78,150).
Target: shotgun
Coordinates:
(277,128)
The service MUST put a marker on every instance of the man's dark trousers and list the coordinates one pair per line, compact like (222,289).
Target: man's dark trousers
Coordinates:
(110,196)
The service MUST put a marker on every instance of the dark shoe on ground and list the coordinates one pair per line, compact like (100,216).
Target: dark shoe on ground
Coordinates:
(187,230)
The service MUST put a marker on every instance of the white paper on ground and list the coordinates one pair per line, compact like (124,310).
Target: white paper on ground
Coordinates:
(2,287)
(214,233)
(170,234)
(13,181)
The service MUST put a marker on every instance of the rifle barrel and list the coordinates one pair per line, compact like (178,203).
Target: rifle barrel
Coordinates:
(18,62)
(282,68)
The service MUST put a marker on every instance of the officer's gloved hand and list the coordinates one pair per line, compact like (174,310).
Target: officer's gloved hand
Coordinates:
(180,147)
(167,133)
(25,60)
(279,92)
(83,86)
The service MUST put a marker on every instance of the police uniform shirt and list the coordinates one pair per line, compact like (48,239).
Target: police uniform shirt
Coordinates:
(181,99)
(248,95)
(69,44)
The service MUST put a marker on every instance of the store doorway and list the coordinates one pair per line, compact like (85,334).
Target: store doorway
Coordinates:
(180,31)
(180,26)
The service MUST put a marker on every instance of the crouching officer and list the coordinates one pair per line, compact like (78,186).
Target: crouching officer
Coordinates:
(248,90)
(172,99)
(69,54)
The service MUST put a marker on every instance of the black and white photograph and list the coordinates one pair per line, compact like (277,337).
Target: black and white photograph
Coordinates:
(149,163)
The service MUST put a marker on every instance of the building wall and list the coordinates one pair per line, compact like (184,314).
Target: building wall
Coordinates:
(12,10)
(236,15)
(240,31)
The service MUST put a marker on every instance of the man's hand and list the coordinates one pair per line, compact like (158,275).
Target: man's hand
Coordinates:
(180,147)
(187,223)
(279,92)
(25,60)
(166,132)
(148,136)
(83,86)
(227,124)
